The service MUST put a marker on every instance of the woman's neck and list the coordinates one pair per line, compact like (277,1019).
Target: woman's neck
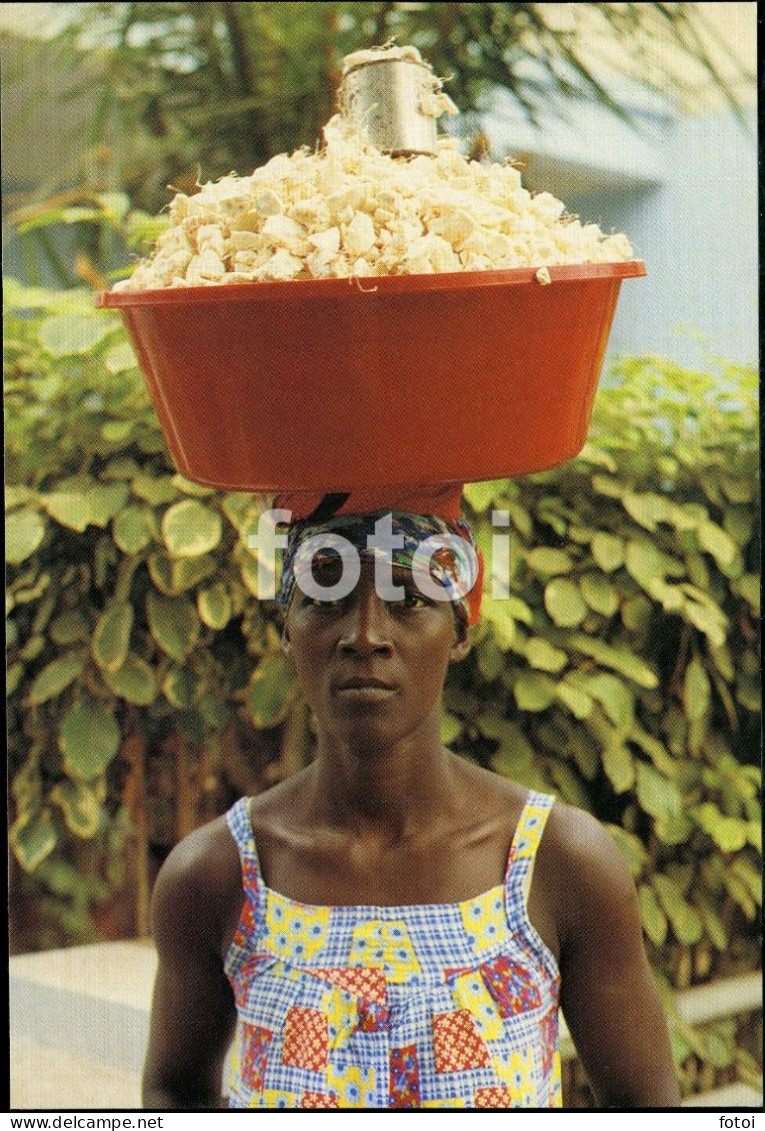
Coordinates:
(381,792)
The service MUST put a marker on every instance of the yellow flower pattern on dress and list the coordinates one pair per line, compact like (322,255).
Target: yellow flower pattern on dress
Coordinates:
(354,1087)
(273,1097)
(470,993)
(385,944)
(516,1071)
(294,931)
(342,1015)
(485,919)
(451,1005)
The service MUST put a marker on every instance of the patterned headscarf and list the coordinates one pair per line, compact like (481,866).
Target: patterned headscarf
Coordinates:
(446,543)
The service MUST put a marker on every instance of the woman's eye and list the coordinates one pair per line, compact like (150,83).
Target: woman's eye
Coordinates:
(319,603)
(412,599)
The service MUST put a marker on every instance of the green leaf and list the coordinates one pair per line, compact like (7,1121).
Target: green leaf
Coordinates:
(605,485)
(728,833)
(619,766)
(607,550)
(514,755)
(533,692)
(120,467)
(564,602)
(543,656)
(173,623)
(706,621)
(636,613)
(749,588)
(653,918)
(499,614)
(117,431)
(571,789)
(643,562)
(68,627)
(155,490)
(133,529)
(105,500)
(185,573)
(270,690)
(669,596)
(632,848)
(657,796)
(713,924)
(198,490)
(135,681)
(55,677)
(620,659)
(80,806)
(696,690)
(548,562)
(718,543)
(24,532)
(599,593)
(738,490)
(13,679)
(648,510)
(63,335)
(451,728)
(213,710)
(739,524)
(490,657)
(32,838)
(719,1047)
(575,698)
(686,921)
(480,496)
(111,639)
(68,508)
(215,606)
(748,692)
(120,359)
(16,494)
(180,687)
(616,698)
(89,738)
(655,751)
(190,529)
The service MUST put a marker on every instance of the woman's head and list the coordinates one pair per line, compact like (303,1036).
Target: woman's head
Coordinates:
(376,608)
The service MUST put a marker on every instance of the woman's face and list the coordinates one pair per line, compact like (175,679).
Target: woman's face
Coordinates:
(372,669)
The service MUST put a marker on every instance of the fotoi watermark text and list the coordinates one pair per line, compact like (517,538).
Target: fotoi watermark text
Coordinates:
(268,543)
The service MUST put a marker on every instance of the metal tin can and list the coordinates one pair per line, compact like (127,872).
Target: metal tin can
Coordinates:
(383,98)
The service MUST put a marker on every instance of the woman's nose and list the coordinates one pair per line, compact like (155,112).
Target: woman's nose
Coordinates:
(366,623)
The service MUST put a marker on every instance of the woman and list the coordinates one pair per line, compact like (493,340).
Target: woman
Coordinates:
(368,932)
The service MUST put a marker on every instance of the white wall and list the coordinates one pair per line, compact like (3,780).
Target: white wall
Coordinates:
(698,233)
(683,188)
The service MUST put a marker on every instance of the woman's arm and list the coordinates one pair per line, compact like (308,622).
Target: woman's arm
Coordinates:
(193,1012)
(609,997)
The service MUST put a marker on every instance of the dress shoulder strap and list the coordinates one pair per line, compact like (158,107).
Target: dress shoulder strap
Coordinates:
(526,840)
(240,827)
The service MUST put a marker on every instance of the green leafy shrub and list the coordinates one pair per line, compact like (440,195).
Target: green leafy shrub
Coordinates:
(621,672)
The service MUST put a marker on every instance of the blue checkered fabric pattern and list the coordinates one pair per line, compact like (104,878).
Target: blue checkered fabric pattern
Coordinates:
(433,1005)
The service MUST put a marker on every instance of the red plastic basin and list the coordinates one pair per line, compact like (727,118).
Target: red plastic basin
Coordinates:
(336,384)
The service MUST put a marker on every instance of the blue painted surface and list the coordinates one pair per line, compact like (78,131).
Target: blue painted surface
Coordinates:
(683,188)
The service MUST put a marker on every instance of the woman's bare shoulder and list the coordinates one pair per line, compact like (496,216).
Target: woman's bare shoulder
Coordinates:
(197,886)
(583,869)
(580,842)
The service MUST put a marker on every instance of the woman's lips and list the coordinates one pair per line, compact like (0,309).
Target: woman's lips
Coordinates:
(362,687)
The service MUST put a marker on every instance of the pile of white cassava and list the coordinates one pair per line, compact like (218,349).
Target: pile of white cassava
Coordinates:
(348,210)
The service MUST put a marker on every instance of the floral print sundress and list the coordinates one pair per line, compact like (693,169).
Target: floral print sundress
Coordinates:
(446,1005)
